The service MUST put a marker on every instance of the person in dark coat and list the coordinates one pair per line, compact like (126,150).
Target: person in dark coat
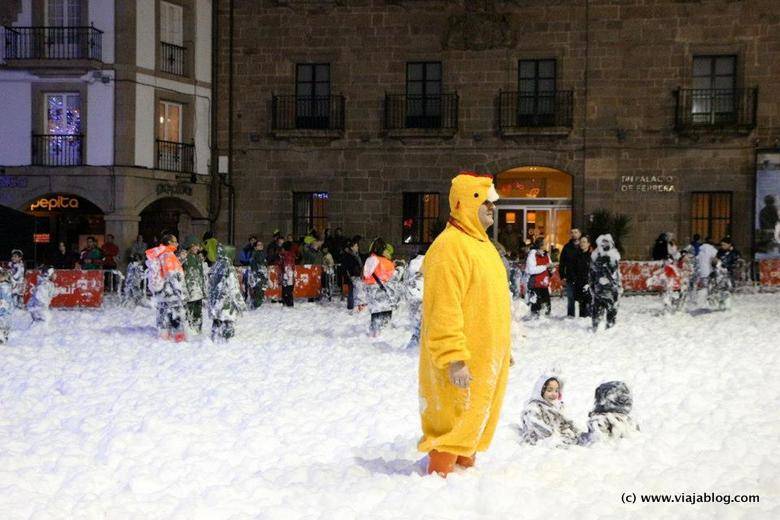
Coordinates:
(274,249)
(568,259)
(729,257)
(578,276)
(286,263)
(64,259)
(661,247)
(351,267)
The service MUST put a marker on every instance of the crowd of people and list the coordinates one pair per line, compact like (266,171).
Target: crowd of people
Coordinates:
(182,280)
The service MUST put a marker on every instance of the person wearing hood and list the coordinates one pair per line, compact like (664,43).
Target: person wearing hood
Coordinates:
(210,247)
(380,294)
(604,281)
(41,295)
(539,269)
(256,277)
(6,304)
(465,333)
(134,292)
(412,280)
(195,281)
(610,417)
(166,281)
(16,266)
(543,416)
(225,301)
(704,262)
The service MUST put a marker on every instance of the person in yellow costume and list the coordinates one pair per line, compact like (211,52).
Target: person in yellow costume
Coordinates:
(465,338)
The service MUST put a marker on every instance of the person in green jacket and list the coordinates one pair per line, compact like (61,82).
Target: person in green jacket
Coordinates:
(210,247)
(195,282)
(311,254)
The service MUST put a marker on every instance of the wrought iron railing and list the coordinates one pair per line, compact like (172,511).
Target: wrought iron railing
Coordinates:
(173,59)
(57,150)
(403,111)
(716,108)
(307,113)
(55,43)
(175,157)
(522,110)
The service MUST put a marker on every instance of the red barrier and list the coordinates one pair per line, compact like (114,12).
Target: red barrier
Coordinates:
(73,288)
(769,272)
(308,281)
(634,274)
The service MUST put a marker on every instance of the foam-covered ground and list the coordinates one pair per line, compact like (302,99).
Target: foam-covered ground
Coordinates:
(301,416)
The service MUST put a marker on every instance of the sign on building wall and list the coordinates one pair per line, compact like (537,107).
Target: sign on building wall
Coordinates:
(648,184)
(767,224)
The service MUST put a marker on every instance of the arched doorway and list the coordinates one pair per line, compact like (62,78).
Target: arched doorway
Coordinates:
(63,217)
(169,214)
(535,201)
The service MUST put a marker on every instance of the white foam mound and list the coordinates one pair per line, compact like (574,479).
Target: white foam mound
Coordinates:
(302,416)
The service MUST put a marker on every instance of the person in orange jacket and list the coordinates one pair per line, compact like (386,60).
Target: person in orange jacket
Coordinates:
(377,272)
(465,336)
(166,281)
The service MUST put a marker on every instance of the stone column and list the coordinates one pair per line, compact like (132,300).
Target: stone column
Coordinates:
(124,227)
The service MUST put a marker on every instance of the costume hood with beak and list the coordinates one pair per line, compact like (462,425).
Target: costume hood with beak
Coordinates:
(466,317)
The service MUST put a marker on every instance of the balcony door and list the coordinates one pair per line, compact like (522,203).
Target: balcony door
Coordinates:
(169,135)
(312,95)
(424,94)
(63,17)
(714,83)
(536,101)
(62,142)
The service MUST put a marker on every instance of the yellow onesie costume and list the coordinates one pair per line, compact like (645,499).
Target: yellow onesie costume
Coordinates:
(466,317)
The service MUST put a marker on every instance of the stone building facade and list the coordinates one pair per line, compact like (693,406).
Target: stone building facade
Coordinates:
(106,106)
(619,118)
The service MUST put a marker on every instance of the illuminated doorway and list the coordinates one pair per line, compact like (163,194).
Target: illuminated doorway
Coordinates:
(535,201)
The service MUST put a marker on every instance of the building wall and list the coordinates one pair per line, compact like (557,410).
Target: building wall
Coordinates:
(622,60)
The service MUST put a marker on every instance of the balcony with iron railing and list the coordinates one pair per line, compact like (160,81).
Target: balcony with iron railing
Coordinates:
(52,46)
(434,115)
(542,113)
(176,157)
(57,150)
(173,59)
(715,110)
(307,115)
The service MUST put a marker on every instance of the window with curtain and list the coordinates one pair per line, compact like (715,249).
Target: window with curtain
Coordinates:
(711,214)
(309,212)
(420,215)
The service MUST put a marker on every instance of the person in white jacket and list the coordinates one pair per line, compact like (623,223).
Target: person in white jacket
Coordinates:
(539,269)
(543,416)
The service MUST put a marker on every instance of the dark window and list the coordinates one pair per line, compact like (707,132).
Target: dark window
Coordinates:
(536,84)
(309,212)
(420,215)
(714,83)
(423,94)
(711,214)
(312,95)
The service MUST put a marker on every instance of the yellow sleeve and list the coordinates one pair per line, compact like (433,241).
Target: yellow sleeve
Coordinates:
(444,335)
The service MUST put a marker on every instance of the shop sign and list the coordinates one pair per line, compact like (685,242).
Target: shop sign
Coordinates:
(174,189)
(41,238)
(54,203)
(12,181)
(648,183)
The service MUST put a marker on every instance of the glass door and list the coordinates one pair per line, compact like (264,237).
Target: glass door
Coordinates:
(63,17)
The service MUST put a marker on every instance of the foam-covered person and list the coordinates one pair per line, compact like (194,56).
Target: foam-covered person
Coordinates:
(543,416)
(610,417)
